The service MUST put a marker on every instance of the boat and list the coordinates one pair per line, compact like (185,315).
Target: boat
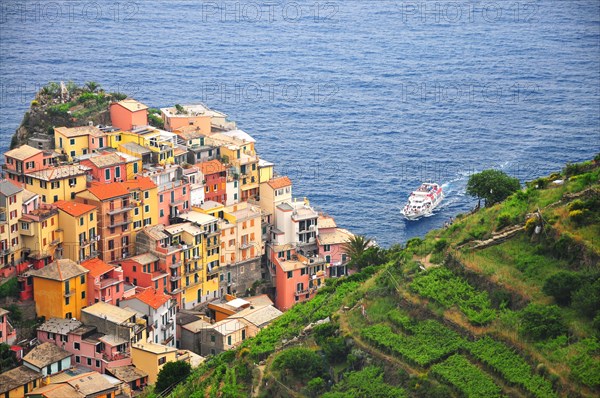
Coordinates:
(423,201)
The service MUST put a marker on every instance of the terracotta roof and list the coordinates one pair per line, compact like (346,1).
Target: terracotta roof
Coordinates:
(57,391)
(131,105)
(97,267)
(60,270)
(59,172)
(189,132)
(145,258)
(23,152)
(73,208)
(143,183)
(211,167)
(326,222)
(279,182)
(17,377)
(108,191)
(90,384)
(78,131)
(46,354)
(339,235)
(152,297)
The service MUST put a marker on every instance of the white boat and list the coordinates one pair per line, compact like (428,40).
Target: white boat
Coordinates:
(423,201)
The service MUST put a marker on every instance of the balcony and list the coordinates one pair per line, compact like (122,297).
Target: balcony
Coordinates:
(69,293)
(120,210)
(175,265)
(119,223)
(175,278)
(194,283)
(167,341)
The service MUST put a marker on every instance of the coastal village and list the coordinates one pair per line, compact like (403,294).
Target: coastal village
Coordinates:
(139,246)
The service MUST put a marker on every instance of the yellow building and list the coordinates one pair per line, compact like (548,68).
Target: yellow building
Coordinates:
(202,254)
(57,183)
(41,234)
(265,170)
(11,209)
(237,147)
(150,358)
(79,223)
(160,143)
(59,289)
(17,382)
(77,141)
(144,195)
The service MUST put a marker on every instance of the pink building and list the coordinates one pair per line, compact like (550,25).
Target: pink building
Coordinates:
(105,282)
(90,349)
(106,167)
(297,277)
(145,270)
(173,199)
(331,240)
(27,159)
(8,334)
(128,114)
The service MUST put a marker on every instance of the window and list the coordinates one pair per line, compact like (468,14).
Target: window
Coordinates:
(72,182)
(55,184)
(67,300)
(212,338)
(326,248)
(229,340)
(135,168)
(56,198)
(184,190)
(161,213)
(76,346)
(290,274)
(117,172)
(25,226)
(107,174)
(77,359)
(89,361)
(80,220)
(160,198)
(162,360)
(72,141)
(97,363)
(82,279)
(146,195)
(91,216)
(146,208)
(83,294)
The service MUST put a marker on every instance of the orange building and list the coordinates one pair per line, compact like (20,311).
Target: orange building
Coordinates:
(214,175)
(27,159)
(128,114)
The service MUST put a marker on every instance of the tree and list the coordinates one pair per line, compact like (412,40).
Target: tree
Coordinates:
(356,246)
(92,86)
(561,286)
(303,363)
(586,299)
(540,322)
(492,185)
(171,374)
(8,360)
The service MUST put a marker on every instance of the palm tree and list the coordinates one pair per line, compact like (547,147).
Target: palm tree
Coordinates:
(356,246)
(92,86)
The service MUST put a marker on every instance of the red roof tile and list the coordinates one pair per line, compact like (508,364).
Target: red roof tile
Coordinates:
(108,191)
(143,183)
(279,182)
(211,167)
(73,208)
(97,267)
(151,297)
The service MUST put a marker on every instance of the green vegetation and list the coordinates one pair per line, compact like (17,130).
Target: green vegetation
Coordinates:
(510,365)
(367,382)
(8,360)
(492,185)
(9,288)
(467,378)
(300,363)
(540,322)
(171,374)
(448,289)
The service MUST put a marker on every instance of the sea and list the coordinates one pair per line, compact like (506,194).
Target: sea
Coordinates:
(358,101)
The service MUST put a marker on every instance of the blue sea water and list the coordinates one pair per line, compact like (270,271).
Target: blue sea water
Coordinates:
(357,101)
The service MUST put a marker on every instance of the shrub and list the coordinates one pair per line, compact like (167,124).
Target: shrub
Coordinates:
(586,299)
(440,245)
(335,349)
(561,286)
(577,204)
(504,220)
(9,288)
(171,374)
(540,322)
(315,387)
(579,217)
(303,363)
(530,224)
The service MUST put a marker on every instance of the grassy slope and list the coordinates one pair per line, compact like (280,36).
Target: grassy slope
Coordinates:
(412,333)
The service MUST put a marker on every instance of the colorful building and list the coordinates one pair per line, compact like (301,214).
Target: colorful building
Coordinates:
(73,142)
(76,385)
(145,271)
(123,323)
(115,218)
(237,147)
(41,235)
(200,257)
(89,348)
(274,192)
(60,289)
(160,311)
(11,209)
(150,358)
(331,241)
(57,183)
(143,193)
(214,178)
(128,114)
(106,167)
(105,282)
(79,224)
(8,334)
(17,382)
(47,359)
(26,159)
(199,116)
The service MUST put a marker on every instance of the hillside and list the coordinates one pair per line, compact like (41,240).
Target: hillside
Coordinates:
(503,302)
(63,105)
